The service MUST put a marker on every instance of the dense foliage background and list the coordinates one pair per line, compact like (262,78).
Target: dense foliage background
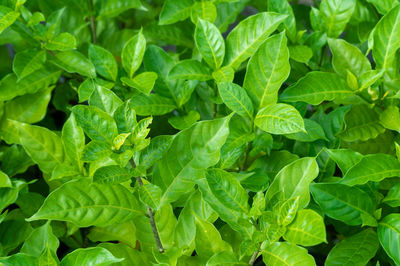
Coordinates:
(183,132)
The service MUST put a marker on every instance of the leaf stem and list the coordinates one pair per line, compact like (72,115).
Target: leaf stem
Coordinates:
(255,255)
(92,22)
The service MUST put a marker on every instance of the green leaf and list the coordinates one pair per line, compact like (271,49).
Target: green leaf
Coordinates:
(344,158)
(124,232)
(343,203)
(227,189)
(314,131)
(19,259)
(266,71)
(95,150)
(48,258)
(236,98)
(42,145)
(111,174)
(28,61)
(393,196)
(386,39)
(155,151)
(224,74)
(204,10)
(283,253)
(97,124)
(383,6)
(63,42)
(361,123)
(153,104)
(105,99)
(181,166)
(287,211)
(389,236)
(4,180)
(73,140)
(335,14)
(103,61)
(132,53)
(372,167)
(283,7)
(292,181)
(40,239)
(86,204)
(390,118)
(74,62)
(279,119)
(183,122)
(355,250)
(223,258)
(210,43)
(307,229)
(348,57)
(174,11)
(190,69)
(89,256)
(143,82)
(150,195)
(7,17)
(125,117)
(244,40)
(131,256)
(316,87)
(300,53)
(113,8)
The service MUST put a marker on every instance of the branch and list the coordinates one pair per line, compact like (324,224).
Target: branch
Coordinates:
(255,255)
(92,22)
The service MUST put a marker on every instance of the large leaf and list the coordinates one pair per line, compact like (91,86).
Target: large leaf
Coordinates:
(153,104)
(267,69)
(8,16)
(85,204)
(103,61)
(90,257)
(124,232)
(358,249)
(190,69)
(373,167)
(105,99)
(390,118)
(111,174)
(283,253)
(344,158)
(210,43)
(174,11)
(181,166)
(40,239)
(350,205)
(132,53)
(74,62)
(335,14)
(28,61)
(236,98)
(283,7)
(279,119)
(316,87)
(244,40)
(389,236)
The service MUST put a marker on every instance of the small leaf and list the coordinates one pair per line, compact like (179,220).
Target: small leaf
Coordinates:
(390,118)
(89,256)
(143,82)
(7,17)
(62,42)
(151,195)
(111,174)
(203,10)
(103,61)
(190,69)
(28,61)
(105,99)
(153,104)
(389,236)
(236,98)
(335,14)
(95,150)
(393,197)
(287,211)
(132,53)
(74,62)
(174,11)
(286,253)
(183,122)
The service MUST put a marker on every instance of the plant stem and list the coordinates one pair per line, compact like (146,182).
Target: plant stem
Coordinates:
(255,255)
(92,22)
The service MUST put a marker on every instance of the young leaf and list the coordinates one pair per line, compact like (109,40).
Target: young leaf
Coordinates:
(335,14)
(236,98)
(132,53)
(103,61)
(28,61)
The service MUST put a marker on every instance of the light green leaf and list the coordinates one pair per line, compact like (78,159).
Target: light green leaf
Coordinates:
(343,203)
(205,10)
(174,11)
(150,195)
(236,98)
(73,140)
(279,119)
(344,158)
(244,40)
(283,253)
(28,61)
(40,239)
(210,43)
(390,118)
(103,61)
(143,82)
(183,122)
(307,229)
(19,259)
(357,249)
(153,104)
(89,256)
(7,17)
(389,236)
(190,69)
(48,258)
(132,53)
(155,151)
(314,131)
(335,14)
(124,232)
(125,117)
(98,125)
(105,100)
(372,167)
(113,8)
(223,258)
(287,211)
(62,42)
(111,174)
(85,204)
(224,74)
(267,69)
(383,6)
(132,257)
(283,7)
(4,180)
(300,53)
(95,150)
(74,62)
(393,196)
(348,57)
(316,87)
(293,180)
(361,123)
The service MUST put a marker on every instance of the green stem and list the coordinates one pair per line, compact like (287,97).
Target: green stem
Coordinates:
(92,22)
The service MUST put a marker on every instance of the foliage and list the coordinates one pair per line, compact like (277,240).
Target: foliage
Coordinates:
(199,132)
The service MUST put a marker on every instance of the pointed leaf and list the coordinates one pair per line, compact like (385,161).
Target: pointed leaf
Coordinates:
(153,104)
(28,61)
(190,69)
(283,253)
(103,61)
(236,98)
(132,53)
(335,14)
(90,257)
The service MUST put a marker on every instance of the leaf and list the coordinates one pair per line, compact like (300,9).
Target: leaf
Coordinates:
(150,195)
(4,180)
(131,256)
(384,6)
(40,239)
(227,190)
(90,256)
(342,202)
(314,131)
(254,30)
(372,167)
(210,43)
(190,69)
(283,7)
(344,158)
(103,61)
(361,123)
(125,118)
(62,42)
(180,167)
(48,258)
(386,39)
(335,14)
(224,74)
(97,124)
(143,82)
(389,234)
(203,10)
(183,122)
(19,259)
(155,151)
(222,258)
(28,61)
(266,71)
(8,16)
(279,119)
(393,196)
(74,62)
(111,174)
(300,53)
(316,87)
(124,232)
(288,211)
(307,229)
(356,249)
(113,8)
(42,145)
(174,11)
(286,253)
(348,57)
(95,150)
(390,118)
(236,98)
(293,180)
(132,53)
(86,204)
(153,104)
(105,99)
